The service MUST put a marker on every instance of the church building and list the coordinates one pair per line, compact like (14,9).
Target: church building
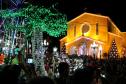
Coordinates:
(94,35)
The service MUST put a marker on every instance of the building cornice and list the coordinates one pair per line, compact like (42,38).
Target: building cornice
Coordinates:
(83,37)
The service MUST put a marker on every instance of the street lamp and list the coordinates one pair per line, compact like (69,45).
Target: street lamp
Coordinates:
(100,48)
(45,45)
(55,54)
(55,51)
(94,46)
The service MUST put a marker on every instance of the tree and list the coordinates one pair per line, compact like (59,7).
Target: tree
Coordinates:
(113,53)
(32,21)
(34,17)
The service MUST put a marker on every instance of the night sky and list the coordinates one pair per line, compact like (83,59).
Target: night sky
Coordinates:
(115,9)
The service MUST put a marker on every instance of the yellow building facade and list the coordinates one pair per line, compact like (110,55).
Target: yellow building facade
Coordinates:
(92,34)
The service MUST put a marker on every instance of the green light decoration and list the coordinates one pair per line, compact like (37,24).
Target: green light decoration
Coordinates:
(34,17)
(16,51)
(15,60)
(33,21)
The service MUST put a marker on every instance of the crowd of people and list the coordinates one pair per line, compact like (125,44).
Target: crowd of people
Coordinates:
(114,71)
(93,72)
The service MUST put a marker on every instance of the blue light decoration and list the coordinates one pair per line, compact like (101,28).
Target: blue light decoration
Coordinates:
(9,34)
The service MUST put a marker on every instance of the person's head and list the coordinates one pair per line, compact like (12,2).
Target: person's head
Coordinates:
(63,68)
(13,70)
(10,73)
(83,76)
(42,80)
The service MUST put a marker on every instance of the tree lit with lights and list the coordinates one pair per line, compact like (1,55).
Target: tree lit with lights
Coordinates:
(32,21)
(113,51)
(31,17)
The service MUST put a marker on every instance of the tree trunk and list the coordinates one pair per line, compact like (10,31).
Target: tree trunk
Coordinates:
(38,52)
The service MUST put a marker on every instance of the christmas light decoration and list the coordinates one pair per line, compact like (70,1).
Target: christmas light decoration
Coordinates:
(32,21)
(54,23)
(113,51)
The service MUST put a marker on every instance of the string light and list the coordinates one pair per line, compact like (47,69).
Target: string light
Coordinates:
(54,23)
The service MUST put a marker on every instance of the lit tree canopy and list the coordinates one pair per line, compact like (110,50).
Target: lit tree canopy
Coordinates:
(32,17)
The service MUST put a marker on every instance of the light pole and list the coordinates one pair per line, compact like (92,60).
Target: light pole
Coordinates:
(55,54)
(94,46)
(55,51)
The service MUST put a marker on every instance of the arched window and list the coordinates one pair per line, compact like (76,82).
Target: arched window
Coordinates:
(85,28)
